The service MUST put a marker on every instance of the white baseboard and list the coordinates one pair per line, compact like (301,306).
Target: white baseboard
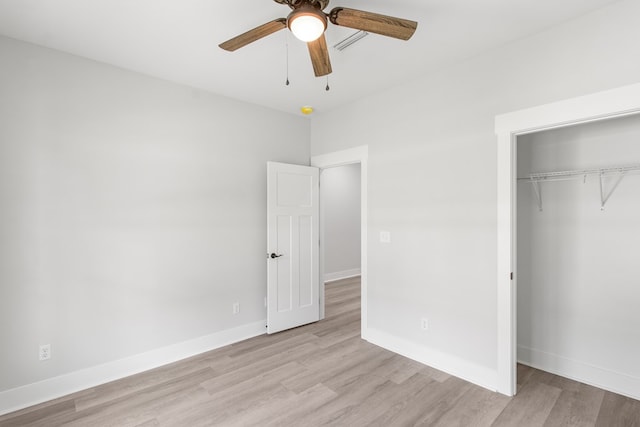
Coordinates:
(52,388)
(596,376)
(339,275)
(452,365)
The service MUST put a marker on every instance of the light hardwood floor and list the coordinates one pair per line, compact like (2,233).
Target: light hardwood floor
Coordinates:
(324,374)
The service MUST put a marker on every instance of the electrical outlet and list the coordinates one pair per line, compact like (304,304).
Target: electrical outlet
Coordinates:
(236,307)
(424,324)
(385,237)
(45,352)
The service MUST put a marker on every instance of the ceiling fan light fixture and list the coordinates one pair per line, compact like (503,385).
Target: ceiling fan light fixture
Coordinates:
(307,23)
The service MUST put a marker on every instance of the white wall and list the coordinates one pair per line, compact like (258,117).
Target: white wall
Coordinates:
(132,212)
(578,270)
(340,204)
(432,180)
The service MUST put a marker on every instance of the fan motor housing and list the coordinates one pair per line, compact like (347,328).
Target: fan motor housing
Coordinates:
(293,4)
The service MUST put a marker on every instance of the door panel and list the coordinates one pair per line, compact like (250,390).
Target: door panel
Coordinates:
(292,245)
(294,190)
(283,264)
(305,254)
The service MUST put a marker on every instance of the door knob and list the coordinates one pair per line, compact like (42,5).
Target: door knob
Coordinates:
(273,255)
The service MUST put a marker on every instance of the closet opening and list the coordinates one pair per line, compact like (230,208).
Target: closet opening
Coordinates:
(578,237)
(596,107)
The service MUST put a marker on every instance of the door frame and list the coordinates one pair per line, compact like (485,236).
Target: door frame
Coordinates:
(340,158)
(623,101)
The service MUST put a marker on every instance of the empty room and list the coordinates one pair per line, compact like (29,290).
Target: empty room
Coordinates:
(303,212)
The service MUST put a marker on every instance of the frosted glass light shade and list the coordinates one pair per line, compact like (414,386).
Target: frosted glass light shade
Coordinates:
(307,27)
(307,22)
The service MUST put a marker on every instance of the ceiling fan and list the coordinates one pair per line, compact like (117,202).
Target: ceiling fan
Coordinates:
(308,22)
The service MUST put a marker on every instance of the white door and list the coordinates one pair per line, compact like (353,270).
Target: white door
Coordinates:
(292,246)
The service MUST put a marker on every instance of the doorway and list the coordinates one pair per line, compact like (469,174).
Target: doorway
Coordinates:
(354,156)
(578,222)
(599,106)
(340,224)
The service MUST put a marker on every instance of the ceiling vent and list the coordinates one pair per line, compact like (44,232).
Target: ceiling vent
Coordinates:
(357,36)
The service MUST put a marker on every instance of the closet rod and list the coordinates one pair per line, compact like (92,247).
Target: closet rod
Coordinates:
(575,174)
(618,171)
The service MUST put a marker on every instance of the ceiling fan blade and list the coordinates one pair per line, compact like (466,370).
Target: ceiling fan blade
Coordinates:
(253,35)
(320,56)
(374,23)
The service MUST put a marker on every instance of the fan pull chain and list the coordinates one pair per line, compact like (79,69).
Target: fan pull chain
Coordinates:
(327,88)
(286,43)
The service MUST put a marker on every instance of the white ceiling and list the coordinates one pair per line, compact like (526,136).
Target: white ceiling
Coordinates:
(178,40)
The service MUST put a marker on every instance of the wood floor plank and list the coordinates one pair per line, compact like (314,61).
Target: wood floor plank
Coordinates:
(41,414)
(254,370)
(530,407)
(435,374)
(330,325)
(618,411)
(350,395)
(292,411)
(136,383)
(398,369)
(523,374)
(478,407)
(226,403)
(274,411)
(324,374)
(242,390)
(136,408)
(338,352)
(265,346)
(361,369)
(350,332)
(427,403)
(578,405)
(212,414)
(171,411)
(391,397)
(322,370)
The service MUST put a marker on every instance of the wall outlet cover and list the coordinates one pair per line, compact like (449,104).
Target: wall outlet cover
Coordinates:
(44,352)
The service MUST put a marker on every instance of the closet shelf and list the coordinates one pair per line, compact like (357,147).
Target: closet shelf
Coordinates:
(617,172)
